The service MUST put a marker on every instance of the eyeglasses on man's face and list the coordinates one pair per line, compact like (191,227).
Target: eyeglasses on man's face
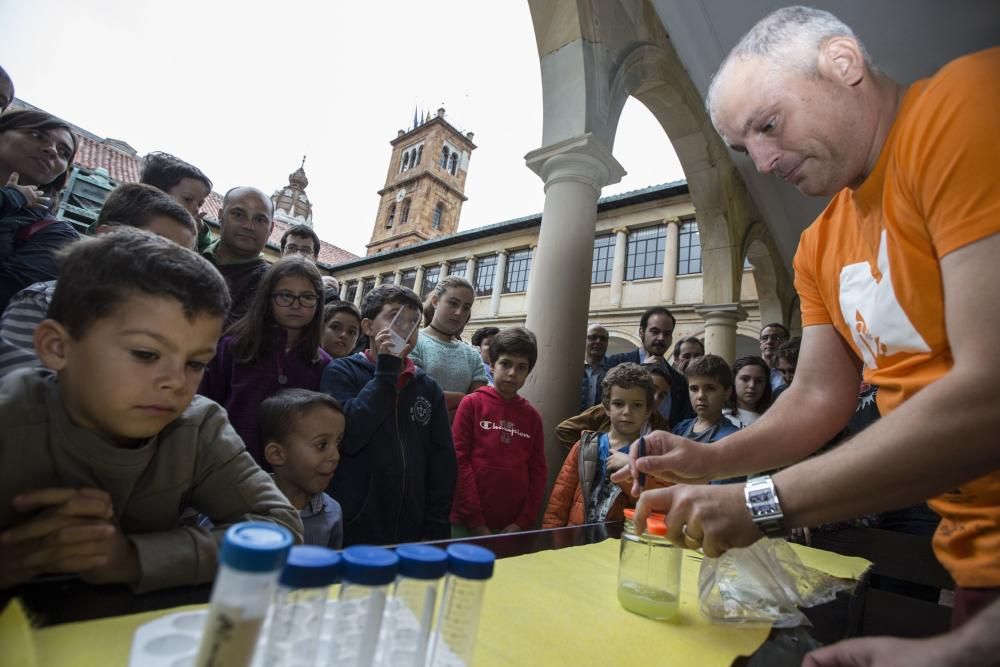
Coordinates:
(285,299)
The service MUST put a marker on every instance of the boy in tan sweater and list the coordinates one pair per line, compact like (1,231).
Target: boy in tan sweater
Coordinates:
(99,458)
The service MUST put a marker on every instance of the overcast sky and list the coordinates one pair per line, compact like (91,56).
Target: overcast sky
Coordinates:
(243,90)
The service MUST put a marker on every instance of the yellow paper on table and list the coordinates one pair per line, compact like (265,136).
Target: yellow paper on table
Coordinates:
(548,608)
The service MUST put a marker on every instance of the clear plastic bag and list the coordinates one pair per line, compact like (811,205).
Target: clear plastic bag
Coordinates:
(763,583)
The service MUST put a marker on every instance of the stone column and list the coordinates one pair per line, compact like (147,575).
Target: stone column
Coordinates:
(618,265)
(378,279)
(397,276)
(720,328)
(418,284)
(470,270)
(574,171)
(531,269)
(357,293)
(668,288)
(498,280)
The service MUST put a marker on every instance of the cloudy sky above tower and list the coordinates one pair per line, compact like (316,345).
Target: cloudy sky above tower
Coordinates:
(244,89)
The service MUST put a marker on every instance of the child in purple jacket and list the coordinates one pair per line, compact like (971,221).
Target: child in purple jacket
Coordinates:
(275,346)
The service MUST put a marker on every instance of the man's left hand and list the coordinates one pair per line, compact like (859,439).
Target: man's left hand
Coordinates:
(713,518)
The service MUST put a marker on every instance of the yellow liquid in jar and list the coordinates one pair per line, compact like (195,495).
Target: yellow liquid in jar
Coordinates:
(646,601)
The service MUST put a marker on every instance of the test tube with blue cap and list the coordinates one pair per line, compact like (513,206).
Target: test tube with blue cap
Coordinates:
(367,574)
(409,615)
(299,604)
(251,558)
(454,640)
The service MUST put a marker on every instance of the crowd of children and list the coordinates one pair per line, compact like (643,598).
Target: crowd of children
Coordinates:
(143,414)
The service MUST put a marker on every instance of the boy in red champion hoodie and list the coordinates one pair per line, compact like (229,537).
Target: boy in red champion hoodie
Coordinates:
(500,446)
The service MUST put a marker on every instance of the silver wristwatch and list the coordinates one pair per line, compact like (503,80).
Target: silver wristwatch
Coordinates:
(765,510)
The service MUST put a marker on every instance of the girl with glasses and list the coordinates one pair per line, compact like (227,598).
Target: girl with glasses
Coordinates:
(275,346)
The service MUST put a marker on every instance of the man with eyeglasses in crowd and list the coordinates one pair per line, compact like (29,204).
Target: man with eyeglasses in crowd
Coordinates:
(771,338)
(300,240)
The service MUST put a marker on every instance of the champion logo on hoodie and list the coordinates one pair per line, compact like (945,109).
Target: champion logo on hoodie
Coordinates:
(507,429)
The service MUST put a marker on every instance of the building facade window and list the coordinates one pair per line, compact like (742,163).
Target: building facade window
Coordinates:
(390,216)
(432,275)
(388,279)
(457,267)
(444,157)
(486,268)
(408,278)
(420,153)
(438,213)
(453,163)
(689,249)
(405,215)
(518,268)
(367,286)
(604,256)
(645,253)
(351,291)
(406,161)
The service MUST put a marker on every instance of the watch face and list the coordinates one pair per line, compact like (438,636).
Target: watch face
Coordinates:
(761,496)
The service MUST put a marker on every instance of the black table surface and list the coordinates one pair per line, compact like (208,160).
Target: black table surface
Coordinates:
(66,600)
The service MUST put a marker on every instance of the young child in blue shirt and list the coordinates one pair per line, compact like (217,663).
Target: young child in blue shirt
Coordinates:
(301,431)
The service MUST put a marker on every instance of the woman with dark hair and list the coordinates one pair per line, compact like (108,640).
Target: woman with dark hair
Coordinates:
(275,346)
(36,152)
(751,391)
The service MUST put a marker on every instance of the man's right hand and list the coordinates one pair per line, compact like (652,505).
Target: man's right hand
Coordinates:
(670,458)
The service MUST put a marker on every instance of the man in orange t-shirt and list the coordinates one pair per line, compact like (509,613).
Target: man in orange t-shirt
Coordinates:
(899,283)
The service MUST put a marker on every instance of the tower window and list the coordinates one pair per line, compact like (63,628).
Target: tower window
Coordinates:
(406,161)
(420,153)
(391,217)
(444,157)
(405,215)
(438,212)
(454,163)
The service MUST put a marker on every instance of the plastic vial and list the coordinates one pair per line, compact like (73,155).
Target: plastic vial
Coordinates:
(251,559)
(454,641)
(367,574)
(649,569)
(409,616)
(299,605)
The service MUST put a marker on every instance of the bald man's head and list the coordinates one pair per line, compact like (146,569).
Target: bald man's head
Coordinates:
(246,221)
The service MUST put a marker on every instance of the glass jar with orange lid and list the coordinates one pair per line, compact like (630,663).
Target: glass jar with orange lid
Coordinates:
(649,569)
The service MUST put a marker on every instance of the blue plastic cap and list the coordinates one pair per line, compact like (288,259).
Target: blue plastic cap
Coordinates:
(255,547)
(470,561)
(369,566)
(421,561)
(310,567)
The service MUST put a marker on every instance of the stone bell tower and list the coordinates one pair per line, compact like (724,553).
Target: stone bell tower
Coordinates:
(425,187)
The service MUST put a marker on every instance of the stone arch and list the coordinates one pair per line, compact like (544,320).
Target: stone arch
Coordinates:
(775,290)
(594,55)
